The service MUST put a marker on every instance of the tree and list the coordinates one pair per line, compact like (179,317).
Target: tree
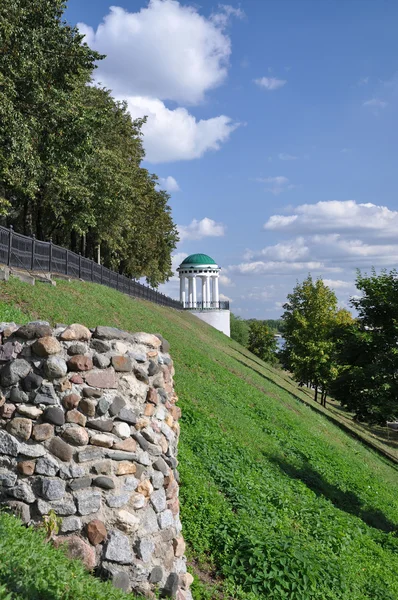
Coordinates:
(308,321)
(262,341)
(239,330)
(70,154)
(367,351)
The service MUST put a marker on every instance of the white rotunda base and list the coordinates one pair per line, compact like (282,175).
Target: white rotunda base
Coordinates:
(219,319)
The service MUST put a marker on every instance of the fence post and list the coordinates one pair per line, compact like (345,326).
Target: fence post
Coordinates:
(102,269)
(11,231)
(32,260)
(92,270)
(80,265)
(67,262)
(50,258)
(117,280)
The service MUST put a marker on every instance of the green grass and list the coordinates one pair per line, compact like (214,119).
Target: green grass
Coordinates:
(277,502)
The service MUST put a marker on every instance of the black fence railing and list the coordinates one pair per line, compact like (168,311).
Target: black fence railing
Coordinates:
(220,305)
(27,253)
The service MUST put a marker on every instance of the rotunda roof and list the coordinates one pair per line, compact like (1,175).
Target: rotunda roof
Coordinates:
(198,259)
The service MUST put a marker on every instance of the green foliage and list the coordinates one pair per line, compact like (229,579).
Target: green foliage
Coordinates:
(31,569)
(309,320)
(239,330)
(70,154)
(262,341)
(277,502)
(367,351)
(10,313)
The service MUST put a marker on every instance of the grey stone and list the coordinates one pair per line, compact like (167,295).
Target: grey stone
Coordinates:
(103,405)
(64,508)
(77,348)
(71,524)
(61,449)
(171,461)
(165,347)
(171,586)
(32,450)
(17,396)
(165,519)
(156,575)
(80,483)
(150,522)
(104,482)
(101,361)
(54,415)
(157,480)
(117,405)
(100,345)
(8,444)
(117,501)
(121,581)
(138,356)
(158,500)
(7,478)
(87,501)
(19,509)
(160,465)
(102,468)
(89,454)
(127,415)
(47,465)
(22,491)
(130,483)
(105,425)
(118,549)
(141,440)
(14,371)
(55,367)
(32,382)
(120,455)
(35,329)
(46,395)
(89,392)
(111,333)
(71,471)
(143,458)
(144,549)
(52,489)
(141,375)
(153,368)
(149,434)
(76,435)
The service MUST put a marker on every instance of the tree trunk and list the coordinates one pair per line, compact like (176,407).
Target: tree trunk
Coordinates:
(316,393)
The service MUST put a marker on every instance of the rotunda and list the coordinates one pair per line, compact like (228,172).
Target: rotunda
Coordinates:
(203,300)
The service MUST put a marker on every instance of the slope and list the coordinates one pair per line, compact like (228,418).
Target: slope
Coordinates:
(277,502)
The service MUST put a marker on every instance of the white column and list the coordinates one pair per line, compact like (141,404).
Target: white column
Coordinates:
(216,292)
(203,292)
(208,292)
(182,290)
(194,291)
(190,289)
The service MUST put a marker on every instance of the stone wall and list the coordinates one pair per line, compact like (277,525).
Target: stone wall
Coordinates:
(89,431)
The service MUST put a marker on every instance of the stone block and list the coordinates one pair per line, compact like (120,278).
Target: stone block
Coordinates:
(118,549)
(87,501)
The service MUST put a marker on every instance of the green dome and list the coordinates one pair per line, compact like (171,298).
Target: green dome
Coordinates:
(198,259)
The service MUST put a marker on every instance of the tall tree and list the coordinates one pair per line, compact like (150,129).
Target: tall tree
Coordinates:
(367,382)
(308,320)
(262,341)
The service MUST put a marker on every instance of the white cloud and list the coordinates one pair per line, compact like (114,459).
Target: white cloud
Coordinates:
(224,280)
(166,50)
(276,185)
(270,83)
(171,135)
(338,216)
(363,81)
(225,298)
(197,230)
(284,156)
(279,267)
(169,184)
(339,284)
(376,103)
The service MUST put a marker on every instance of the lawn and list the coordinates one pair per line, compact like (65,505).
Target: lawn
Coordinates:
(277,501)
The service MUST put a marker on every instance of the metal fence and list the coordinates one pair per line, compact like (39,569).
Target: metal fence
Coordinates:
(23,252)
(220,305)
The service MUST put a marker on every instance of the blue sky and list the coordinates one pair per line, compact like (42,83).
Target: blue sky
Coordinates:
(273,124)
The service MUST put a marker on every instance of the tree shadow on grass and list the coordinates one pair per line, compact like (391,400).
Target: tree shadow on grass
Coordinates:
(344,500)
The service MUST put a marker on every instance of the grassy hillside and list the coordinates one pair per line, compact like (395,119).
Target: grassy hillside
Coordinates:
(277,502)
